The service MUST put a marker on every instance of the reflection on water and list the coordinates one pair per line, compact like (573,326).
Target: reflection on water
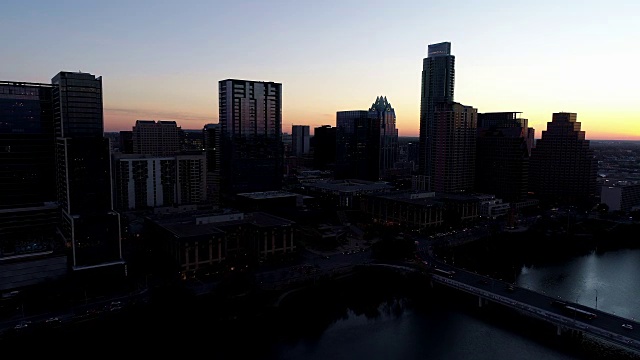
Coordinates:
(373,316)
(609,281)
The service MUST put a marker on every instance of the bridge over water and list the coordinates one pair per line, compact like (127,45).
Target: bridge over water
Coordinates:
(598,324)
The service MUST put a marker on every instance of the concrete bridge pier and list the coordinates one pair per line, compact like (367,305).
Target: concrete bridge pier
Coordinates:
(559,330)
(482,301)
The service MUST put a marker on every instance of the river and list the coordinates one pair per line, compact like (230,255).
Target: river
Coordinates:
(450,328)
(376,316)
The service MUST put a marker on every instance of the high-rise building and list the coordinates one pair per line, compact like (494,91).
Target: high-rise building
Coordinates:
(156,138)
(324,147)
(30,251)
(438,72)
(354,146)
(387,134)
(454,154)
(563,168)
(502,156)
(89,226)
(366,142)
(211,138)
(250,119)
(300,140)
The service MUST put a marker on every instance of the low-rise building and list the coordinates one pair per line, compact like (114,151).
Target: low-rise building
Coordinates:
(200,240)
(621,198)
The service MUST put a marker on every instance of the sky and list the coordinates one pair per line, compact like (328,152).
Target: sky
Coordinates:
(162,60)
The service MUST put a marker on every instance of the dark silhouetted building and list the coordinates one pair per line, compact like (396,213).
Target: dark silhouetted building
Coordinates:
(454,155)
(563,168)
(156,138)
(211,138)
(191,140)
(355,143)
(300,140)
(126,142)
(252,154)
(438,72)
(502,156)
(366,142)
(324,147)
(196,242)
(30,251)
(89,226)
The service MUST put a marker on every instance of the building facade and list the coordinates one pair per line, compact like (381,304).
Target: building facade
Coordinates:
(211,140)
(300,140)
(145,182)
(198,242)
(563,169)
(324,147)
(89,226)
(30,251)
(438,73)
(453,159)
(621,198)
(366,142)
(159,138)
(252,154)
(502,156)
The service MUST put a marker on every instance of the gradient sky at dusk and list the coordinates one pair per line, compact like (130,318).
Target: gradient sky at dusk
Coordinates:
(162,60)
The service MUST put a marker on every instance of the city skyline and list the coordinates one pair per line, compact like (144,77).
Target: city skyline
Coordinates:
(163,61)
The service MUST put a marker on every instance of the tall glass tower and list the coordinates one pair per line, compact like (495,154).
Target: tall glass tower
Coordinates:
(438,72)
(89,226)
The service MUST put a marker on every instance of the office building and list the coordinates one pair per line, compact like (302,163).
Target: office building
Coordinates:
(355,137)
(251,131)
(324,147)
(453,158)
(197,242)
(211,139)
(621,198)
(563,169)
(159,138)
(366,142)
(89,226)
(438,72)
(30,251)
(300,140)
(502,156)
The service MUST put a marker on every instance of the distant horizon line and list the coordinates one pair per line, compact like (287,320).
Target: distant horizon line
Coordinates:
(402,136)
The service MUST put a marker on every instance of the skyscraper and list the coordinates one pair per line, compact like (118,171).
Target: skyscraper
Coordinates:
(438,71)
(355,141)
(366,141)
(563,169)
(300,140)
(454,154)
(251,132)
(211,139)
(89,226)
(502,157)
(30,251)
(387,134)
(324,147)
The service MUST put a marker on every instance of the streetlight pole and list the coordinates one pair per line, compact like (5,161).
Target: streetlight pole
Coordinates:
(596,299)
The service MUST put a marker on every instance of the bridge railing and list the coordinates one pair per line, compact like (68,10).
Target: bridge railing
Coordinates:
(540,313)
